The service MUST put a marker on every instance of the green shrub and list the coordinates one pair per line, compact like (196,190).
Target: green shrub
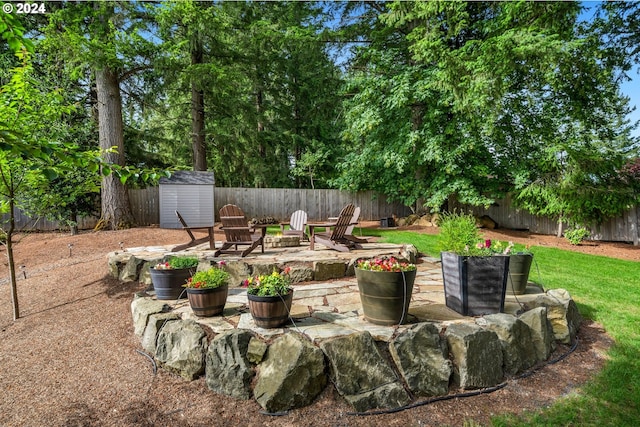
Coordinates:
(459,234)
(273,284)
(211,278)
(183,262)
(576,235)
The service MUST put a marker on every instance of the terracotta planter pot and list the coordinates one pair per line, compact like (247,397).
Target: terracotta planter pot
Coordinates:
(385,295)
(474,285)
(519,267)
(270,312)
(168,284)
(208,302)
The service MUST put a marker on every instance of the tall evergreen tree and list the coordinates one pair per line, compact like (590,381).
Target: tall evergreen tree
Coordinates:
(464,98)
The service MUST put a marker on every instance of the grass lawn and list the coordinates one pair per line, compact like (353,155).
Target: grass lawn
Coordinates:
(607,291)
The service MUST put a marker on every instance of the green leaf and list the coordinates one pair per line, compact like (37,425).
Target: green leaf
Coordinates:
(50,173)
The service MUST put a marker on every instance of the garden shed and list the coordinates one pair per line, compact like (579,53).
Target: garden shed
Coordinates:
(191,194)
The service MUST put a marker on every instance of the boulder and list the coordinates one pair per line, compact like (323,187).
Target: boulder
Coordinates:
(228,370)
(424,221)
(518,351)
(266,268)
(360,373)
(256,350)
(409,253)
(562,312)
(326,270)
(412,219)
(145,275)
(238,272)
(477,355)
(291,376)
(301,273)
(391,395)
(203,265)
(141,309)
(542,336)
(420,354)
(154,325)
(485,221)
(116,261)
(181,347)
(131,270)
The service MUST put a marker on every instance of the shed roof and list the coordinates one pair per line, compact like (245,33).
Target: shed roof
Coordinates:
(189,178)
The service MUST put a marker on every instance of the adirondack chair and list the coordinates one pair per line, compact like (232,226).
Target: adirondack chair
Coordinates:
(335,238)
(297,224)
(348,234)
(195,241)
(237,232)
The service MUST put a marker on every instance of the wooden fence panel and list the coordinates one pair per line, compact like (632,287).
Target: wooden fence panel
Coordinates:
(145,205)
(320,204)
(621,229)
(25,223)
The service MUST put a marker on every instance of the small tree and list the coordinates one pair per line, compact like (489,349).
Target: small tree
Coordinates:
(65,199)
(30,148)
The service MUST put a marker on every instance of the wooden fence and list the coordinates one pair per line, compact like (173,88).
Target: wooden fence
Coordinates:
(621,229)
(279,203)
(321,204)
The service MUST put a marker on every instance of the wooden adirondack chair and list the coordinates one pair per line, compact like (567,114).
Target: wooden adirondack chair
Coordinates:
(195,241)
(297,224)
(237,232)
(348,234)
(335,238)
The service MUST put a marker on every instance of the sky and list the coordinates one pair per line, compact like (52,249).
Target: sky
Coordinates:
(630,88)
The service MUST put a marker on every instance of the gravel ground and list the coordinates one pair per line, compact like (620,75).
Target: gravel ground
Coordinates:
(72,358)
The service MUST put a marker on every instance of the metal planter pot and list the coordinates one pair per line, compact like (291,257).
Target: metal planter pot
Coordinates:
(385,295)
(519,267)
(474,285)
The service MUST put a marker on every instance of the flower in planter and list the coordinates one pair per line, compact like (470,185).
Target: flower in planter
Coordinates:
(177,263)
(499,248)
(384,264)
(273,284)
(459,234)
(209,279)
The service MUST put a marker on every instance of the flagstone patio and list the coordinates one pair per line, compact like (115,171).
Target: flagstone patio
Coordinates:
(322,309)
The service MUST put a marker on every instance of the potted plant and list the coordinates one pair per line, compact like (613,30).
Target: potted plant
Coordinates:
(270,297)
(519,266)
(169,277)
(474,281)
(207,291)
(385,285)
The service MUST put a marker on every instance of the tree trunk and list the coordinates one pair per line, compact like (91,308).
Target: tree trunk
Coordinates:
(73,219)
(116,212)
(11,260)
(197,116)
(559,230)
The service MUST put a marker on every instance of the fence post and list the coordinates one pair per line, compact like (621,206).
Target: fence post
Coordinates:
(634,225)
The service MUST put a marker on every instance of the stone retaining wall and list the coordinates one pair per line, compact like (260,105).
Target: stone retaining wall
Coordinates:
(370,366)
(381,371)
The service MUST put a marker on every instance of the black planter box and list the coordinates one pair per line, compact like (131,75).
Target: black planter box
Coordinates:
(387,222)
(474,285)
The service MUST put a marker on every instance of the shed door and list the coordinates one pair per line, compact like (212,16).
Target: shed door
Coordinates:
(194,202)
